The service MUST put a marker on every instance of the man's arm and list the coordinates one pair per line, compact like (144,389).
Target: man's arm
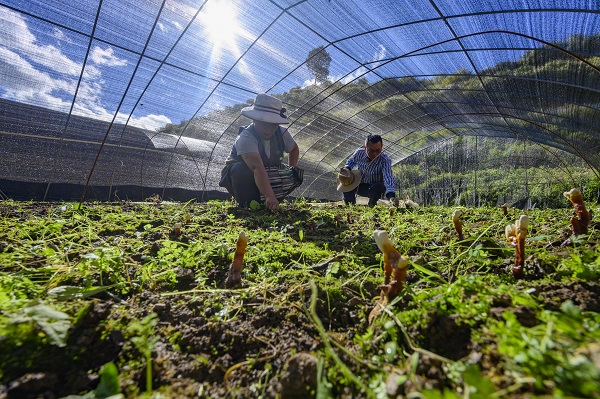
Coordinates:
(294,155)
(351,162)
(261,178)
(388,179)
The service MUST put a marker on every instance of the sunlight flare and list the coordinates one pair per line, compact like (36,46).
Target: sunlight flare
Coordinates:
(221,23)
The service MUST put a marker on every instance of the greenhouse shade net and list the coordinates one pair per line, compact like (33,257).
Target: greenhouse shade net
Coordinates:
(114,100)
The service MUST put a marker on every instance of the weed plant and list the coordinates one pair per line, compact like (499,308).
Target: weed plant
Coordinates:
(131,307)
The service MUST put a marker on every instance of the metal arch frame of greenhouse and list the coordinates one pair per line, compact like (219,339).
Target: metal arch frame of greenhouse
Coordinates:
(371,67)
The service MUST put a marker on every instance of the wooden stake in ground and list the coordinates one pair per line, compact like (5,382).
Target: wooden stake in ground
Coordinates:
(234,277)
(516,235)
(394,266)
(579,225)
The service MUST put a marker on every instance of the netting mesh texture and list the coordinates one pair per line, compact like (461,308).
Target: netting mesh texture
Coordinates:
(133,98)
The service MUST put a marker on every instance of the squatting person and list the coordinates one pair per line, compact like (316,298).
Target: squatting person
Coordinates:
(373,175)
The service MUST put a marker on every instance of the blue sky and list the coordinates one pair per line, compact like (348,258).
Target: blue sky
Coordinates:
(236,48)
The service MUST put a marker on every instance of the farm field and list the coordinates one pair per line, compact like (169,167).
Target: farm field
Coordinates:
(128,300)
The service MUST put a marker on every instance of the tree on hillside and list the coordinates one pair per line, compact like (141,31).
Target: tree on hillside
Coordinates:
(317,62)
(171,128)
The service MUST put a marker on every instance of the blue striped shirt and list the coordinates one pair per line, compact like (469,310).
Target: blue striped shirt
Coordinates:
(379,169)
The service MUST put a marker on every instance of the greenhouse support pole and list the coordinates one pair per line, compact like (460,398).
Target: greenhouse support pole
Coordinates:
(448,193)
(527,200)
(425,196)
(475,174)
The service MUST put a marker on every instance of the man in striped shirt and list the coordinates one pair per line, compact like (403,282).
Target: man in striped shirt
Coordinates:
(376,169)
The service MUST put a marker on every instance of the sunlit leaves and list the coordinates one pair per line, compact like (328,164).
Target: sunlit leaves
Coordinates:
(53,323)
(545,351)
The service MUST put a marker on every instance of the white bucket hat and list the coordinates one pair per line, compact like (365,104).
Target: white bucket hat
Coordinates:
(266,108)
(348,179)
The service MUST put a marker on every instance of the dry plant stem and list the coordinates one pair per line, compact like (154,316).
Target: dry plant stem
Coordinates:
(394,266)
(323,265)
(397,285)
(235,270)
(457,224)
(177,229)
(398,275)
(458,228)
(516,235)
(520,254)
(389,255)
(575,226)
(580,224)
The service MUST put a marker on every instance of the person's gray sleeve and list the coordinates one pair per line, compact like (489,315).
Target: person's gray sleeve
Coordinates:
(288,141)
(246,143)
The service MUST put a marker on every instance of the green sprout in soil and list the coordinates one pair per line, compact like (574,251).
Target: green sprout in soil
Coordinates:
(118,283)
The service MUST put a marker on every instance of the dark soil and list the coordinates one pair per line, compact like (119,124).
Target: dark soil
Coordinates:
(264,342)
(264,346)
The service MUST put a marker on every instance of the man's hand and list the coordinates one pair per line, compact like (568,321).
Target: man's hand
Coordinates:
(391,196)
(272,203)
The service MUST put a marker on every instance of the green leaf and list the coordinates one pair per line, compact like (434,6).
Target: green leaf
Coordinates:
(53,323)
(109,382)
(67,292)
(43,312)
(108,388)
(323,386)
(3,296)
(437,394)
(570,309)
(426,271)
(254,205)
(334,268)
(479,386)
(48,252)
(390,348)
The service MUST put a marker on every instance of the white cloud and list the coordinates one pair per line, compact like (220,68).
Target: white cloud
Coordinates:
(311,82)
(106,57)
(53,58)
(22,82)
(351,77)
(88,105)
(22,79)
(150,122)
(14,31)
(91,72)
(59,34)
(177,25)
(378,55)
(15,35)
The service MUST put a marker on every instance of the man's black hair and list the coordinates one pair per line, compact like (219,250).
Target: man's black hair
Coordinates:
(373,138)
